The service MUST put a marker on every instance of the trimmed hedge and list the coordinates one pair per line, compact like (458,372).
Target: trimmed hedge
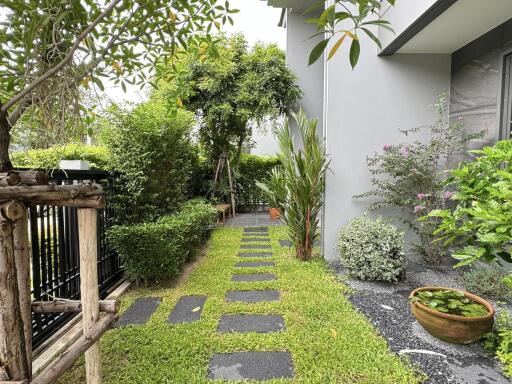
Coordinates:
(155,251)
(251,169)
(49,158)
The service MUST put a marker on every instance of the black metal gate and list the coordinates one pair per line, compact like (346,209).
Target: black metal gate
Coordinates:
(53,233)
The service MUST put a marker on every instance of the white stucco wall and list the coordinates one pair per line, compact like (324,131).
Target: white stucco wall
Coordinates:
(365,109)
(311,78)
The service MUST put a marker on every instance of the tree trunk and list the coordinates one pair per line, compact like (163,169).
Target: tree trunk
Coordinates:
(5,138)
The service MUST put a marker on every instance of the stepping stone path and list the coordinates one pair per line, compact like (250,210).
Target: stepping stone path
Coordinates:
(256,296)
(255,246)
(288,243)
(255,254)
(139,312)
(254,239)
(251,323)
(187,310)
(254,277)
(252,264)
(251,366)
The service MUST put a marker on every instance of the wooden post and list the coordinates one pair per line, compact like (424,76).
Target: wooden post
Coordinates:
(13,361)
(22,261)
(87,233)
(231,189)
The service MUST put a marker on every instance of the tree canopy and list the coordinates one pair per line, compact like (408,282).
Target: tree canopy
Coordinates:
(231,89)
(50,49)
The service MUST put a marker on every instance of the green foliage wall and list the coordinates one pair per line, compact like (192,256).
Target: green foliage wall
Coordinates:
(156,251)
(49,158)
(155,157)
(250,170)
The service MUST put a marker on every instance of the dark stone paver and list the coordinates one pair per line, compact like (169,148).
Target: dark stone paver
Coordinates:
(255,246)
(255,239)
(256,229)
(254,277)
(251,323)
(288,243)
(255,254)
(187,310)
(139,312)
(253,264)
(250,366)
(254,296)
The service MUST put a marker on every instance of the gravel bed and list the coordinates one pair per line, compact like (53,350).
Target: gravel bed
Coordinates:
(387,307)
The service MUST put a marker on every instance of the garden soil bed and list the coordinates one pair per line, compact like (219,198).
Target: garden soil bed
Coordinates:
(387,307)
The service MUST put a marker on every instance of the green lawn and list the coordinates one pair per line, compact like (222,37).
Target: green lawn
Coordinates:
(329,341)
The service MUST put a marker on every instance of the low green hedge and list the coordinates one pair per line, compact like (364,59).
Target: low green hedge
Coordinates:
(49,158)
(155,251)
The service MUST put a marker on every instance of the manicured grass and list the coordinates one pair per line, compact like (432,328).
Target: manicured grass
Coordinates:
(329,341)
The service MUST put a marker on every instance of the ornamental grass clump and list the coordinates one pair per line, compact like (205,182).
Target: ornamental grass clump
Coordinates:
(372,249)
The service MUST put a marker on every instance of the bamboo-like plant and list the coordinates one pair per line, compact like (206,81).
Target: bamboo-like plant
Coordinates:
(302,175)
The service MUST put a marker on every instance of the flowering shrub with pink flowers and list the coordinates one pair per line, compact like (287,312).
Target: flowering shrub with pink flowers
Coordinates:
(408,176)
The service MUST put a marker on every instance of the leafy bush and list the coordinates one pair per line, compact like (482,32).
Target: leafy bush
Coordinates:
(155,251)
(302,172)
(500,340)
(407,176)
(250,170)
(372,249)
(155,157)
(486,282)
(480,226)
(49,158)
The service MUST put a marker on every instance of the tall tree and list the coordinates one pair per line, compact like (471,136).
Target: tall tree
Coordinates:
(49,49)
(231,89)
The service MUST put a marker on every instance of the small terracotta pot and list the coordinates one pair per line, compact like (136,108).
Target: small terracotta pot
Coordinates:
(452,328)
(275,213)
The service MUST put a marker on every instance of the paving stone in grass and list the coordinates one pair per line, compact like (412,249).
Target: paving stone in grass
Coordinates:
(255,239)
(250,366)
(255,254)
(288,243)
(254,264)
(255,246)
(254,277)
(187,310)
(256,234)
(250,323)
(256,229)
(253,296)
(139,312)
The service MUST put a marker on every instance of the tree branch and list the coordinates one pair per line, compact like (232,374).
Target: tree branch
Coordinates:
(69,56)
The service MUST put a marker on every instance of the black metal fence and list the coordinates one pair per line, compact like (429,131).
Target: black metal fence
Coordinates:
(53,233)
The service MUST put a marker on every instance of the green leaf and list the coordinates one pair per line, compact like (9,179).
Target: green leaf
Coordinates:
(355,50)
(317,51)
(372,36)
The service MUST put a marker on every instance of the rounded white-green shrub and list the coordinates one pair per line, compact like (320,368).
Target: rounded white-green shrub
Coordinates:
(371,249)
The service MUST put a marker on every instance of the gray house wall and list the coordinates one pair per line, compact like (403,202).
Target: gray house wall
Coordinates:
(310,78)
(476,83)
(365,109)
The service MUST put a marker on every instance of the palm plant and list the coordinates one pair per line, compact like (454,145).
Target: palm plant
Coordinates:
(301,183)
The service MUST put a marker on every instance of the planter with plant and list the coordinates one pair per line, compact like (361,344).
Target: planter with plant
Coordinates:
(451,315)
(274,191)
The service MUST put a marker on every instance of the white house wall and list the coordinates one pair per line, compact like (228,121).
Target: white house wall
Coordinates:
(310,78)
(365,109)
